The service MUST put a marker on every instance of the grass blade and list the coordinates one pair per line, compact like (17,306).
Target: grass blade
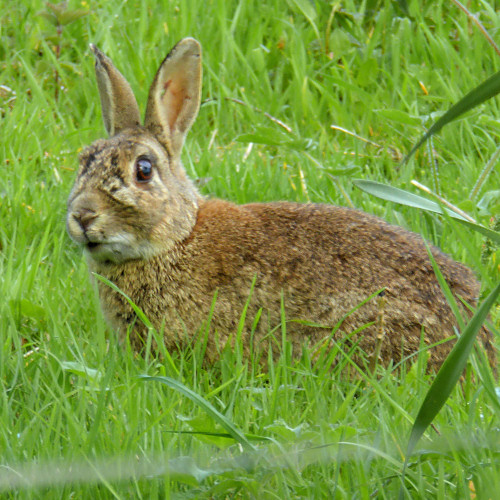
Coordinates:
(450,371)
(138,311)
(140,314)
(489,233)
(446,289)
(389,193)
(401,196)
(486,90)
(448,376)
(231,429)
(485,173)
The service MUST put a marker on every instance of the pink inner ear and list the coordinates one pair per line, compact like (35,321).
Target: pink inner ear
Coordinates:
(173,99)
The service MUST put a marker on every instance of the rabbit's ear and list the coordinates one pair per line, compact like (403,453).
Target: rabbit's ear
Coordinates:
(119,107)
(174,96)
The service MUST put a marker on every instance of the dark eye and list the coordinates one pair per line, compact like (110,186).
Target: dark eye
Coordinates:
(143,169)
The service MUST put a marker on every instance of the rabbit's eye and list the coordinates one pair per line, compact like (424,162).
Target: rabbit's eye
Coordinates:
(143,169)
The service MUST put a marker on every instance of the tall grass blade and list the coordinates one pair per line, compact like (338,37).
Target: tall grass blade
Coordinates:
(486,90)
(403,197)
(448,376)
(445,288)
(138,311)
(140,314)
(489,233)
(485,173)
(231,429)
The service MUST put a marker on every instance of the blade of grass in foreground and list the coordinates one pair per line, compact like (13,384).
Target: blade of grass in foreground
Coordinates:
(447,377)
(235,433)
(486,90)
(140,314)
(403,197)
(137,310)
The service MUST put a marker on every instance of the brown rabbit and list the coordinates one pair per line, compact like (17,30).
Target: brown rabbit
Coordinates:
(145,227)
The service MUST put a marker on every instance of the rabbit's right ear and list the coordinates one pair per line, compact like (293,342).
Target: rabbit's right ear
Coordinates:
(174,96)
(119,107)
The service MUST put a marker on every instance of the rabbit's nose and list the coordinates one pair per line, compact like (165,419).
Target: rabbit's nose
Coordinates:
(84,217)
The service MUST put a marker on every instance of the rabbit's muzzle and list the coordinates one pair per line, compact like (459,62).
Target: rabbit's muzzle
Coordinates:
(87,226)
(84,217)
(82,220)
(104,236)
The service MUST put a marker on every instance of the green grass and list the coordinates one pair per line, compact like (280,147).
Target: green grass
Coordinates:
(76,418)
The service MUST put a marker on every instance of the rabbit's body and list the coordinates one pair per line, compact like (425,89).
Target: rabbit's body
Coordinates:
(148,230)
(323,260)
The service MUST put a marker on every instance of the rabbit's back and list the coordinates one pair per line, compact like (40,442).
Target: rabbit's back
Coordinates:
(323,261)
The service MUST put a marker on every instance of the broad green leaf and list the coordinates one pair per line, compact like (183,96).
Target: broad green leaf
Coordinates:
(81,370)
(224,422)
(403,197)
(448,374)
(486,90)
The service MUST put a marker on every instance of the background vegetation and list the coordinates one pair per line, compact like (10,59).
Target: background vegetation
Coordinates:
(299,98)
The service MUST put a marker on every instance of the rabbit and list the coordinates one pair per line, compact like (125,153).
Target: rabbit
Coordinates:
(193,265)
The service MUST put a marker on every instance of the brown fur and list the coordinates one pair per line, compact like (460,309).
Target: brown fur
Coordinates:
(170,250)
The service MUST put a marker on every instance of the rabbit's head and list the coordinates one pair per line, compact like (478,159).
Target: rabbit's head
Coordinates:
(131,198)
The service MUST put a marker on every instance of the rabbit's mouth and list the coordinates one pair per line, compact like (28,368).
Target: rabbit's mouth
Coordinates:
(118,248)
(97,250)
(102,252)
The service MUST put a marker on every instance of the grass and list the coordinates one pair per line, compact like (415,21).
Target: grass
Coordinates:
(77,419)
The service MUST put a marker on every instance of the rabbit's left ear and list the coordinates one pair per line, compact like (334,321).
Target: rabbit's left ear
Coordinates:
(174,96)
(119,106)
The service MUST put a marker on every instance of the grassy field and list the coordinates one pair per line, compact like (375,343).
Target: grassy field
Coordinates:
(300,97)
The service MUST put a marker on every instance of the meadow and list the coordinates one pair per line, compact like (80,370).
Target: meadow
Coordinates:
(300,98)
